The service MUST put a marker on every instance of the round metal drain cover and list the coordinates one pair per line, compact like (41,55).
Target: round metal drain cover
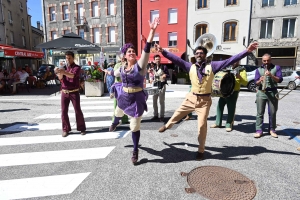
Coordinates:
(174,135)
(218,183)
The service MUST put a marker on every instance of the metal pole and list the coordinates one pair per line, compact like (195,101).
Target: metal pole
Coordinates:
(44,29)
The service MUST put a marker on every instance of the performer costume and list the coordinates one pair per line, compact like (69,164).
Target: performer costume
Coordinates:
(131,97)
(160,82)
(267,97)
(231,103)
(118,80)
(70,92)
(199,99)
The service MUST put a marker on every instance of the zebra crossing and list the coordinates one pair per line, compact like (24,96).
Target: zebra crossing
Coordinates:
(56,184)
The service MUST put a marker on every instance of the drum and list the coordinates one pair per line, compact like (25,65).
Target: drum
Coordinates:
(223,84)
(151,90)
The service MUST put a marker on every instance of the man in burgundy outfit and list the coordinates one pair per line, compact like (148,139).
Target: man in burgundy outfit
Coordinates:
(70,92)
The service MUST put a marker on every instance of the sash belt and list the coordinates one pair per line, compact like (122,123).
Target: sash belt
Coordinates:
(132,90)
(70,91)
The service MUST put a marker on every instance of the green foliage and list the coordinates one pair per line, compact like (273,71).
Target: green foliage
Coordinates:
(96,75)
(185,76)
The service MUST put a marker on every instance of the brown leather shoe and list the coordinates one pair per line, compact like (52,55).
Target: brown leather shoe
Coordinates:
(200,156)
(135,157)
(162,119)
(187,118)
(162,129)
(65,134)
(83,133)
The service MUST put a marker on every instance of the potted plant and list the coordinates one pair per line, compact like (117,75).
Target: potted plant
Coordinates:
(94,86)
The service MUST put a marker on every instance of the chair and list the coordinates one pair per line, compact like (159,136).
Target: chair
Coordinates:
(22,85)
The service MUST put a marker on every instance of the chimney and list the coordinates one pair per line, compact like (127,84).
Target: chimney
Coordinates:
(38,25)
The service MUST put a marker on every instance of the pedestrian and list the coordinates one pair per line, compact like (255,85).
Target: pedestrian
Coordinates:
(199,99)
(130,94)
(240,79)
(161,73)
(108,78)
(151,72)
(70,92)
(266,77)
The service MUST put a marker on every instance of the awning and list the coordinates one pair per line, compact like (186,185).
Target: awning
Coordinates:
(163,59)
(15,52)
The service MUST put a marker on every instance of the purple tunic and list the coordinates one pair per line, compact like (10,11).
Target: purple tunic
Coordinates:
(133,104)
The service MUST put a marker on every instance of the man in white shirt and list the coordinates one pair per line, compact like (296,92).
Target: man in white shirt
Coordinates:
(23,76)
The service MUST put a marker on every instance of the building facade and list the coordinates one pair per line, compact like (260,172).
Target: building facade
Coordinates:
(171,33)
(227,20)
(98,21)
(275,25)
(15,35)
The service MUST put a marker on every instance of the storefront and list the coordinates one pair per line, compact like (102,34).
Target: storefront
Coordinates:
(111,54)
(10,57)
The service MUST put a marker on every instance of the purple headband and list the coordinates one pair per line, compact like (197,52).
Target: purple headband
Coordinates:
(125,47)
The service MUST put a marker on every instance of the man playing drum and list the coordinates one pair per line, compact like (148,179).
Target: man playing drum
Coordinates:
(240,79)
(199,99)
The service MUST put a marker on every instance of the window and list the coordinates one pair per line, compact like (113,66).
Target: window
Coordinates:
(67,32)
(96,35)
(172,39)
(81,33)
(230,31)
(110,7)
(95,9)
(200,29)
(65,12)
(12,38)
(155,40)
(53,35)
(21,6)
(266,29)
(24,41)
(290,2)
(172,15)
(111,34)
(9,15)
(266,3)
(22,24)
(52,14)
(80,13)
(231,2)
(288,28)
(202,4)
(154,14)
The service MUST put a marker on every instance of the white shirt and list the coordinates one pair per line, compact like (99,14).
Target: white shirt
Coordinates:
(23,76)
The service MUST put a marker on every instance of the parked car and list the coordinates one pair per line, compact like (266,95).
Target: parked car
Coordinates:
(289,79)
(250,70)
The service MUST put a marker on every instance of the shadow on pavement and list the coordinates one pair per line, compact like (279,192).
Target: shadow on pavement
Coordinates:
(176,155)
(13,110)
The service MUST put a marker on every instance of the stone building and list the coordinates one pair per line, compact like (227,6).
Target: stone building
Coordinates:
(227,20)
(275,25)
(98,21)
(16,47)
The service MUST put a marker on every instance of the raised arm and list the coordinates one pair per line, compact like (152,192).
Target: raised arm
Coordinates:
(143,61)
(218,65)
(186,66)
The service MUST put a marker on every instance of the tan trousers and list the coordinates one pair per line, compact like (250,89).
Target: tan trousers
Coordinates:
(161,96)
(199,104)
(135,123)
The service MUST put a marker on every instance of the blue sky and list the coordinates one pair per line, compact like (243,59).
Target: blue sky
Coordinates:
(35,10)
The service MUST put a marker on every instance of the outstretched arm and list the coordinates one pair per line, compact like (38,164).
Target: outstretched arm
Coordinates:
(143,61)
(186,66)
(218,65)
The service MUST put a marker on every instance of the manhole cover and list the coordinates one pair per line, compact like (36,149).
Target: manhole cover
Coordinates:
(218,183)
(174,135)
(296,122)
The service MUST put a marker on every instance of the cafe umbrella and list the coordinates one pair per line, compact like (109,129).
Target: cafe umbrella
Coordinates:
(70,41)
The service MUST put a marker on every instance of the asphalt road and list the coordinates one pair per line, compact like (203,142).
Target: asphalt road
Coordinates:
(37,163)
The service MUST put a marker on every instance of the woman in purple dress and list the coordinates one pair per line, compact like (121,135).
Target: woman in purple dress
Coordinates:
(129,93)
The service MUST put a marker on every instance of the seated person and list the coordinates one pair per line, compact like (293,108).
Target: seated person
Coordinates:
(31,78)
(22,78)
(13,76)
(2,82)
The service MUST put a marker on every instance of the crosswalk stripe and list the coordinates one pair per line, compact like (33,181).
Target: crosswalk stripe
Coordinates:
(32,158)
(57,138)
(106,107)
(40,186)
(96,102)
(52,126)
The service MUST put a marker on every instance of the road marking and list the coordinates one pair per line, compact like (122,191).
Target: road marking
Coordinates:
(97,102)
(33,158)
(52,126)
(40,186)
(58,138)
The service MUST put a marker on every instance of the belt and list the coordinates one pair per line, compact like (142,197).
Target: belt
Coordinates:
(271,89)
(69,91)
(132,90)
(201,94)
